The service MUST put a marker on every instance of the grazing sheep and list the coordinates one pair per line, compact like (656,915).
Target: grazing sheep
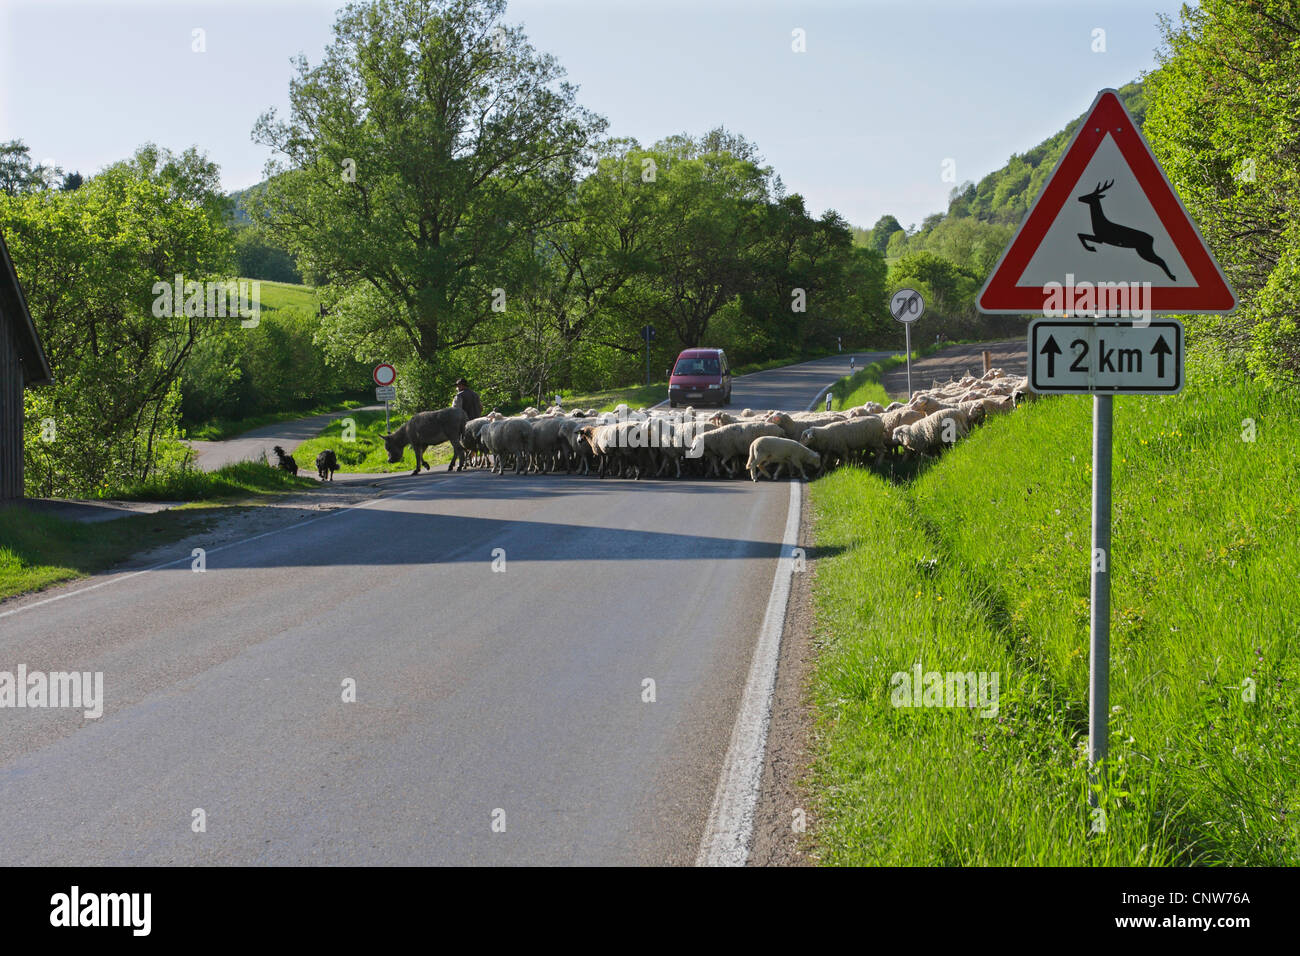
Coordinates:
(903,415)
(933,433)
(771,450)
(326,464)
(286,462)
(846,441)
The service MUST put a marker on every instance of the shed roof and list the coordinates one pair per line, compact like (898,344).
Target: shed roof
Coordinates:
(36,367)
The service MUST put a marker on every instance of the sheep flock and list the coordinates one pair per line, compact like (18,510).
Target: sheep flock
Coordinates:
(662,442)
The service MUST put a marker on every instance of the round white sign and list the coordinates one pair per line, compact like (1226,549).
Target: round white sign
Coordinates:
(907,305)
(385,374)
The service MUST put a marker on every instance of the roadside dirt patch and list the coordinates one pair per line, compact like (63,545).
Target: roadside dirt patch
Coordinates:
(1008,355)
(776,842)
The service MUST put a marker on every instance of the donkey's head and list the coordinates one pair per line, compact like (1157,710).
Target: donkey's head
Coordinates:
(395,445)
(1097,194)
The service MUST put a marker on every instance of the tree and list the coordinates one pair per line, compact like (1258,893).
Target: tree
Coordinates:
(881,232)
(429,146)
(88,261)
(1224,122)
(708,215)
(18,175)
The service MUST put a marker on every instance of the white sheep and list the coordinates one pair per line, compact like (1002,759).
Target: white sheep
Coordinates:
(728,445)
(771,450)
(934,432)
(843,441)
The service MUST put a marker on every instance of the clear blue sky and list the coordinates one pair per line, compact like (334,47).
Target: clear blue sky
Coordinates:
(861,122)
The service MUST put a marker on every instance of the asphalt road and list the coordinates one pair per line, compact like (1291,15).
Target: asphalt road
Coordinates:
(482,696)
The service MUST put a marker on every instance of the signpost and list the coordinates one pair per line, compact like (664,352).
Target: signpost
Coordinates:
(1070,259)
(907,306)
(385,391)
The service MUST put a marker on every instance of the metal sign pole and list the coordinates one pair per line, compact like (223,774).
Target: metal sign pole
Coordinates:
(1099,624)
(387,429)
(907,326)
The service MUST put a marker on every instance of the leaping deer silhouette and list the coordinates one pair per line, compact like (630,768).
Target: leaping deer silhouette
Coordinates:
(1107,233)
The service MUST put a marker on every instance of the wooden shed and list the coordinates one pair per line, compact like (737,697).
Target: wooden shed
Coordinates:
(22,363)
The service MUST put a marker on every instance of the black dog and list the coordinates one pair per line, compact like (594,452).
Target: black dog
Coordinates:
(327,464)
(286,462)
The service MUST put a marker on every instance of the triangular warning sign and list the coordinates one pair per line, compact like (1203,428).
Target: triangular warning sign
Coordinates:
(1107,215)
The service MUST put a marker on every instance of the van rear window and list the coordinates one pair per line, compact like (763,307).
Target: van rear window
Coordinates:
(697,366)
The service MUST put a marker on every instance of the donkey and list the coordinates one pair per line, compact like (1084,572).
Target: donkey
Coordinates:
(1108,233)
(424,429)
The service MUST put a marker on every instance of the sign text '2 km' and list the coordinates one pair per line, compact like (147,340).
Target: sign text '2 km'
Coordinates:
(1106,357)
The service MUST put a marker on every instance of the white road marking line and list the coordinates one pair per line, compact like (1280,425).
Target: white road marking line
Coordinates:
(225,547)
(730,826)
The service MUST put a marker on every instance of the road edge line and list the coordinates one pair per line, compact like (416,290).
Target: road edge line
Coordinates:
(730,827)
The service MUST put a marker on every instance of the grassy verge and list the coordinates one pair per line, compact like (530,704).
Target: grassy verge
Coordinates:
(230,481)
(38,550)
(864,385)
(981,564)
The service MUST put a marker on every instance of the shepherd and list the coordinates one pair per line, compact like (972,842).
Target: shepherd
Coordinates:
(467,400)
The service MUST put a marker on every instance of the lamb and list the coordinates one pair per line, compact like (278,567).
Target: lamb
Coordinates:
(729,444)
(286,462)
(326,464)
(843,441)
(771,450)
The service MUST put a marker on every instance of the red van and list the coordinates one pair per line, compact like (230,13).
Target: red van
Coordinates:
(700,377)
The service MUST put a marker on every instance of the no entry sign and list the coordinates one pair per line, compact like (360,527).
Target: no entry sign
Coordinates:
(385,374)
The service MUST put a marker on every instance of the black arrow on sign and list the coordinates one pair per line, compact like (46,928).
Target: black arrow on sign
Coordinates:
(1160,350)
(1051,350)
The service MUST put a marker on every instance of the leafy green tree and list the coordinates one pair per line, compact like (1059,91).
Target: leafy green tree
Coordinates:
(89,261)
(708,216)
(881,232)
(429,146)
(1224,120)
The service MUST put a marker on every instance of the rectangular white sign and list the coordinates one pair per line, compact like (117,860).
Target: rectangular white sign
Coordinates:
(1088,357)
(386,393)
